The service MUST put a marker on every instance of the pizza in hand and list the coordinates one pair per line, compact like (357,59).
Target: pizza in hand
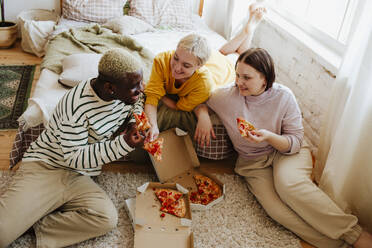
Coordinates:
(208,190)
(142,122)
(154,148)
(171,202)
(244,126)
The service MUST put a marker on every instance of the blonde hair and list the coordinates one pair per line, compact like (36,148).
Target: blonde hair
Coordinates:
(196,45)
(116,62)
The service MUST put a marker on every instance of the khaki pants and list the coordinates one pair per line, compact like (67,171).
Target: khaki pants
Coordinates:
(64,207)
(282,185)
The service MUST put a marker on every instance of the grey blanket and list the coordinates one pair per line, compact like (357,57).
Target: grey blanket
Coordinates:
(92,39)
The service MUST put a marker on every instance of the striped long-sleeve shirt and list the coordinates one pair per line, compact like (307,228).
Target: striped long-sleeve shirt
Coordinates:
(78,135)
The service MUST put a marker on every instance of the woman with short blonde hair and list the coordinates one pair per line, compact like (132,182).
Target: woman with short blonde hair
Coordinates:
(184,78)
(196,45)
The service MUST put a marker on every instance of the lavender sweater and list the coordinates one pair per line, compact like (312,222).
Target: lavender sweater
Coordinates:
(275,110)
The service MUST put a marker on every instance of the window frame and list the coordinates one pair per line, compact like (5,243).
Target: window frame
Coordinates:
(350,20)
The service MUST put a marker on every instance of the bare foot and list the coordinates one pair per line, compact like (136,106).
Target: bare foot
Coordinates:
(256,14)
(364,240)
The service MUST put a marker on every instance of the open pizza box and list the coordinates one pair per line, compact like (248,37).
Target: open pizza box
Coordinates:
(180,163)
(152,230)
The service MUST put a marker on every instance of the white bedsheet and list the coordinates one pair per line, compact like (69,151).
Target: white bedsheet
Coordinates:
(48,91)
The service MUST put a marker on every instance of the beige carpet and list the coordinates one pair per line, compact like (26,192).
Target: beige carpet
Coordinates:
(239,221)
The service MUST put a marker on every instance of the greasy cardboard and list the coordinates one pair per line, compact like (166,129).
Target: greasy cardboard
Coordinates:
(180,162)
(151,230)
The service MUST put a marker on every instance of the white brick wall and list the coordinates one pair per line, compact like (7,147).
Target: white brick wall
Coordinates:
(298,68)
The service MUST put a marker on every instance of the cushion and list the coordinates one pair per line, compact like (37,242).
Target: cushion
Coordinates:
(79,67)
(98,11)
(163,13)
(127,25)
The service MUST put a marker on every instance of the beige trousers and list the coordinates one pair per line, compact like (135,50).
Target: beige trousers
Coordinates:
(64,207)
(282,185)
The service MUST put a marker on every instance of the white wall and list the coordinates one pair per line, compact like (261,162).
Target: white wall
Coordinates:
(302,72)
(14,7)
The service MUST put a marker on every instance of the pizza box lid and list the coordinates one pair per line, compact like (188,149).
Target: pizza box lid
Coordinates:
(178,155)
(130,205)
(151,230)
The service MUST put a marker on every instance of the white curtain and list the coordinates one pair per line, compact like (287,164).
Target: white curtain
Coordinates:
(344,162)
(226,17)
(239,16)
(217,15)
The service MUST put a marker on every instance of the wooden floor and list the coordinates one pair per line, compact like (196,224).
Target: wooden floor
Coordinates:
(15,56)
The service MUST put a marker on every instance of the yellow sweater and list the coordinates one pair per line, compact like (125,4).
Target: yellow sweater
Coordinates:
(216,72)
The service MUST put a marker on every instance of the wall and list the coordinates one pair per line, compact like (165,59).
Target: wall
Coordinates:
(14,7)
(299,69)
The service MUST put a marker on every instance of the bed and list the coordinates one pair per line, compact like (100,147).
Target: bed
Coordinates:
(162,34)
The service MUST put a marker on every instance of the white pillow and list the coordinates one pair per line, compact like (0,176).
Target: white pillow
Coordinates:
(79,67)
(98,11)
(164,13)
(127,25)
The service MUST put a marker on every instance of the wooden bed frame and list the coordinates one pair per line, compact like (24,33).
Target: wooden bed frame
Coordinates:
(200,11)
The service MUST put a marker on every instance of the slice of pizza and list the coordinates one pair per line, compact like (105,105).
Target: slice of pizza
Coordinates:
(155,148)
(171,202)
(208,190)
(244,126)
(142,122)
(177,209)
(195,197)
(167,196)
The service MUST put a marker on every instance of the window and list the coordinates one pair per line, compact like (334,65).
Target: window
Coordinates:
(329,21)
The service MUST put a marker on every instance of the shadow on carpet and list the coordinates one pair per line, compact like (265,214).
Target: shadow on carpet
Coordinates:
(15,87)
(237,222)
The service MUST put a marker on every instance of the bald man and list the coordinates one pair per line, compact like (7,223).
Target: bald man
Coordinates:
(91,126)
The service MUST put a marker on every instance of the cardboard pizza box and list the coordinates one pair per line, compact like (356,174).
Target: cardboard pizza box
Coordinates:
(130,207)
(152,230)
(180,163)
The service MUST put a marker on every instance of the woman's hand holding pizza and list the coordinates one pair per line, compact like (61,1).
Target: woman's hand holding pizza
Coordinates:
(249,131)
(277,141)
(258,136)
(152,134)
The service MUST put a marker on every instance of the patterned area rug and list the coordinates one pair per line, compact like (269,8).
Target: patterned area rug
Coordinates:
(237,222)
(15,87)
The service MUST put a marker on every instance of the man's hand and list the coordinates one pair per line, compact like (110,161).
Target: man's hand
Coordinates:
(133,137)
